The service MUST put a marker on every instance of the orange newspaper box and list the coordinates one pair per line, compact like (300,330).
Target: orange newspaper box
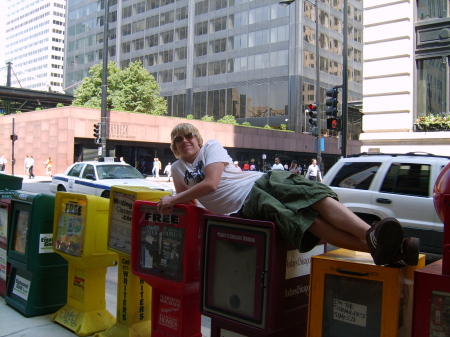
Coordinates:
(165,253)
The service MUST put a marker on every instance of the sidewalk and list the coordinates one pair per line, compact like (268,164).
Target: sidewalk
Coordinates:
(14,324)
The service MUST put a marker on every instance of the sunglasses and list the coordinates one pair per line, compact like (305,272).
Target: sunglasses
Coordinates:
(179,139)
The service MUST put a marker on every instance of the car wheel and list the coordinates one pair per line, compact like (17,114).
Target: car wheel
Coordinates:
(105,194)
(61,188)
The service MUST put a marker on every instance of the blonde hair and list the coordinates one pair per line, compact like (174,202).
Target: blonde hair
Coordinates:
(181,130)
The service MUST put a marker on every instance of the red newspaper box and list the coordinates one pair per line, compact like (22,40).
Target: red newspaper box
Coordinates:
(253,283)
(5,204)
(431,311)
(165,253)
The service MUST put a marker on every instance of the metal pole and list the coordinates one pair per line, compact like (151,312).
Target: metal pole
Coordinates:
(345,83)
(13,161)
(319,114)
(8,75)
(104,80)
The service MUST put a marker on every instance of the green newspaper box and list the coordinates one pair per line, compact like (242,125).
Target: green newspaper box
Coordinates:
(37,284)
(9,185)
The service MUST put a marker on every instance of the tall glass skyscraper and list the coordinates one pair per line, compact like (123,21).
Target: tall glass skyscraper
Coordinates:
(252,59)
(34,43)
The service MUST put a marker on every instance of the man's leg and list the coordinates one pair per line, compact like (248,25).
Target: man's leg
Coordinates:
(344,229)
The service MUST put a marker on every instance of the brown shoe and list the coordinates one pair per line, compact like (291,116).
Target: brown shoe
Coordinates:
(408,255)
(384,240)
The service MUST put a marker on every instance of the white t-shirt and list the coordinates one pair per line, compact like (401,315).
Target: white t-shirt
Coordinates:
(234,185)
(278,166)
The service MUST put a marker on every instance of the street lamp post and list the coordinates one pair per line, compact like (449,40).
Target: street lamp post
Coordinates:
(104,80)
(316,65)
(344,117)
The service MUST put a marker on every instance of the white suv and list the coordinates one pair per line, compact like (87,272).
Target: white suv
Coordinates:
(375,186)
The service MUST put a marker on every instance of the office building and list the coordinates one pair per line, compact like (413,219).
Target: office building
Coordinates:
(35,43)
(252,59)
(406,76)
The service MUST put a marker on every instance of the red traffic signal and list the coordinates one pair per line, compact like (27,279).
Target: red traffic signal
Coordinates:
(97,130)
(312,110)
(312,107)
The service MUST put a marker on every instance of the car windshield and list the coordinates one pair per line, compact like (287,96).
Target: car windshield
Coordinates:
(118,172)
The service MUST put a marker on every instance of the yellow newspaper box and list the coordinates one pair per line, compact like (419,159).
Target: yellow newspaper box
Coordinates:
(80,236)
(134,296)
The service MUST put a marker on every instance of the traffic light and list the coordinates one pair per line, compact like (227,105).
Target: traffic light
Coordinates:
(312,112)
(334,124)
(332,102)
(97,132)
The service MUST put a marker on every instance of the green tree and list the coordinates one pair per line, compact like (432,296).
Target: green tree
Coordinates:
(132,89)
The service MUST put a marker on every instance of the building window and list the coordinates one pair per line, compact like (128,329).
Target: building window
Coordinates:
(201,7)
(139,7)
(258,38)
(138,26)
(138,44)
(166,56)
(432,9)
(152,40)
(200,70)
(432,81)
(126,47)
(167,37)
(112,51)
(127,12)
(180,53)
(152,22)
(181,13)
(165,76)
(201,49)
(217,68)
(181,33)
(179,74)
(219,24)
(219,45)
(259,14)
(201,28)
(126,29)
(167,17)
(151,59)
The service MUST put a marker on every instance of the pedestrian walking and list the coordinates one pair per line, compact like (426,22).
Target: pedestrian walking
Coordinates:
(314,173)
(48,167)
(30,167)
(168,171)
(3,163)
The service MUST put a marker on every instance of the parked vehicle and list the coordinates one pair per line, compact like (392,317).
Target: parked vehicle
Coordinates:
(96,178)
(375,186)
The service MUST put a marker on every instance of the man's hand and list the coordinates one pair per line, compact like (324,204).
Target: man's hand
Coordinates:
(165,204)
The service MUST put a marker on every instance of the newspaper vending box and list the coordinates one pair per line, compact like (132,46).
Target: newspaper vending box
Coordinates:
(133,294)
(79,236)
(432,283)
(253,283)
(5,204)
(165,252)
(38,277)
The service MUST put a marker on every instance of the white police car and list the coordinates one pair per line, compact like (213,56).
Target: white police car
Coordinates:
(93,177)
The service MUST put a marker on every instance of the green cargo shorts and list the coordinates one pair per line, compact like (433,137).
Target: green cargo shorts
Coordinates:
(284,198)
